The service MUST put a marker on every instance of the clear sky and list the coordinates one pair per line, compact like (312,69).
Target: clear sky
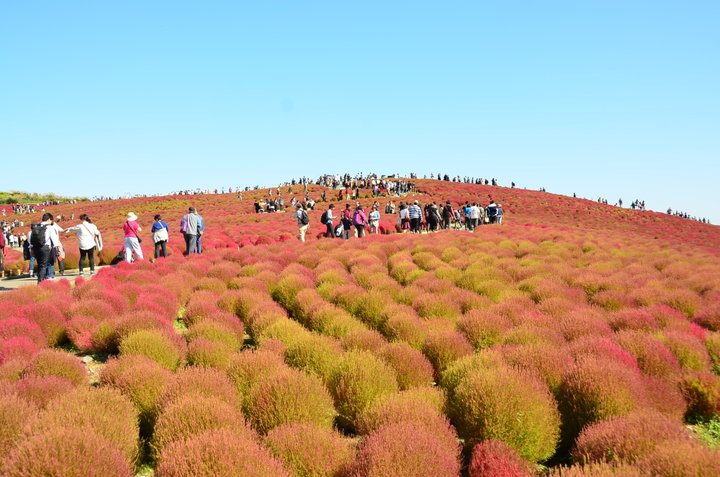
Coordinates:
(602,98)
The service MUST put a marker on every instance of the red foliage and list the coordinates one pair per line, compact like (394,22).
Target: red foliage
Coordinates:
(494,458)
(41,390)
(18,348)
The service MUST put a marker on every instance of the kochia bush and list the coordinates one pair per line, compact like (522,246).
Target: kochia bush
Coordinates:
(311,450)
(50,362)
(41,390)
(411,366)
(155,345)
(15,413)
(508,405)
(288,396)
(218,452)
(494,458)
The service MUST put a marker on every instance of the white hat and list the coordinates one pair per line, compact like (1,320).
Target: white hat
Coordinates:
(131,217)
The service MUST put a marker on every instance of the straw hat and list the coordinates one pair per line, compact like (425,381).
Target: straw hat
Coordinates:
(131,216)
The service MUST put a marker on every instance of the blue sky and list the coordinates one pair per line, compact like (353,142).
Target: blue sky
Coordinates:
(601,98)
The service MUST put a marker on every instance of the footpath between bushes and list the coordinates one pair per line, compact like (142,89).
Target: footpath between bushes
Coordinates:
(12,283)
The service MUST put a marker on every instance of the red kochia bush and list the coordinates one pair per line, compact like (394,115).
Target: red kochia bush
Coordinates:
(681,458)
(41,390)
(218,452)
(50,362)
(12,327)
(66,452)
(483,328)
(311,450)
(509,405)
(652,355)
(406,449)
(50,320)
(195,414)
(598,470)
(493,458)
(627,438)
(18,348)
(202,382)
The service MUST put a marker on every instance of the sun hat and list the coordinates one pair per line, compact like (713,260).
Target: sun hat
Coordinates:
(131,216)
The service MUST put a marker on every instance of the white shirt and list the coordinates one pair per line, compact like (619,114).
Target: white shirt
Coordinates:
(51,235)
(474,212)
(86,233)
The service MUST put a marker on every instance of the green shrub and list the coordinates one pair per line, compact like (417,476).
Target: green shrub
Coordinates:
(51,362)
(357,381)
(155,345)
(507,405)
(288,396)
(315,354)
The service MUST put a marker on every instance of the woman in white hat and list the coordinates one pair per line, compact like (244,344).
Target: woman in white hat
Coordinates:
(132,240)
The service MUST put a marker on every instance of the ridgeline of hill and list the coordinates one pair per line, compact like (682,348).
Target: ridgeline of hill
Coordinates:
(18,197)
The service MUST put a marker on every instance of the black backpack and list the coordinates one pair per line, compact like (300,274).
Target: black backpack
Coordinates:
(323,218)
(37,235)
(304,218)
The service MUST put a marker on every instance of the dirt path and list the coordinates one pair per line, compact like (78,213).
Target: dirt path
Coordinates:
(11,283)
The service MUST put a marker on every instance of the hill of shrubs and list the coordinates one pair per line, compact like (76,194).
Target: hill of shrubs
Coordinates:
(575,339)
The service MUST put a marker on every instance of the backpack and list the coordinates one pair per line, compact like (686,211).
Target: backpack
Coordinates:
(492,211)
(304,219)
(323,218)
(37,235)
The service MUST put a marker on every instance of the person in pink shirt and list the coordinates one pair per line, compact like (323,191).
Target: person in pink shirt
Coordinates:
(132,240)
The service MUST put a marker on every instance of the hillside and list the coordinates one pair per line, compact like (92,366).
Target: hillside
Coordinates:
(573,334)
(17,197)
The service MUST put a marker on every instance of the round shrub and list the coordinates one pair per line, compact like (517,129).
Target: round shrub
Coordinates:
(626,438)
(357,381)
(411,366)
(249,366)
(50,320)
(442,347)
(406,449)
(690,352)
(11,371)
(12,327)
(493,458)
(50,362)
(66,452)
(508,405)
(105,411)
(218,452)
(216,331)
(460,369)
(547,361)
(652,355)
(702,393)
(198,381)
(594,390)
(194,414)
(311,450)
(363,340)
(155,345)
(41,390)
(315,354)
(142,380)
(407,407)
(483,328)
(15,413)
(601,469)
(664,397)
(288,396)
(209,354)
(681,458)
(18,348)
(605,348)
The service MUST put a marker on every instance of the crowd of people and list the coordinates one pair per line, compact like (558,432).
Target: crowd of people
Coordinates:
(411,217)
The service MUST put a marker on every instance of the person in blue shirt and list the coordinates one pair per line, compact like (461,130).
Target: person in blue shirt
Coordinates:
(160,236)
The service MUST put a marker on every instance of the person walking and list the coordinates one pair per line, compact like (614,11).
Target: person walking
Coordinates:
(132,239)
(57,253)
(303,220)
(448,214)
(404,218)
(415,214)
(160,235)
(189,228)
(89,240)
(360,221)
(347,216)
(43,238)
(3,251)
(374,220)
(327,219)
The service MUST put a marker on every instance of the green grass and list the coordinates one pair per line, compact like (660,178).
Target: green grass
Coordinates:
(709,431)
(17,197)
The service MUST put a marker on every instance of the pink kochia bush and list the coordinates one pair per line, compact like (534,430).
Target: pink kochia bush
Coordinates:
(493,458)
(41,390)
(311,450)
(406,449)
(218,452)
(66,452)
